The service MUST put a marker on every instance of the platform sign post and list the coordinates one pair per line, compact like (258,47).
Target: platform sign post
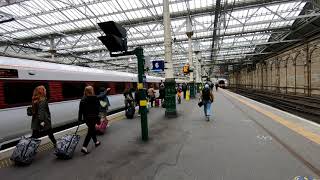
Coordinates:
(142,94)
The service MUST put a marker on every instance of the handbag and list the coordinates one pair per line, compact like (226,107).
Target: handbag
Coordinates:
(103,104)
(29,111)
(200,103)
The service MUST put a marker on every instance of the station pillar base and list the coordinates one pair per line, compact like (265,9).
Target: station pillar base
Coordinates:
(192,90)
(170,97)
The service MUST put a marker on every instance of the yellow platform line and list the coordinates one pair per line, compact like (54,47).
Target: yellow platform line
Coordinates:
(6,162)
(293,126)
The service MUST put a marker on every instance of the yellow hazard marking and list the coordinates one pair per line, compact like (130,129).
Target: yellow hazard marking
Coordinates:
(140,85)
(293,126)
(143,102)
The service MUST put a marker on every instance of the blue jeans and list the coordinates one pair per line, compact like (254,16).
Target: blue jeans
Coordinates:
(207,108)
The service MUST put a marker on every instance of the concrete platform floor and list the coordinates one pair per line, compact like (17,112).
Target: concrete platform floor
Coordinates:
(238,143)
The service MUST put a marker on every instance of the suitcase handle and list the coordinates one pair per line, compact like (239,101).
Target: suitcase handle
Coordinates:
(77,129)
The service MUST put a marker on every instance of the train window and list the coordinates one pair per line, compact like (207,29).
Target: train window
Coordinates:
(98,85)
(120,87)
(73,90)
(21,92)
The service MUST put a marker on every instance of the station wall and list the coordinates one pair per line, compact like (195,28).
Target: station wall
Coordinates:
(294,71)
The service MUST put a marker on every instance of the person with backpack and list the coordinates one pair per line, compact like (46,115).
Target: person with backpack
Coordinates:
(41,117)
(89,113)
(207,98)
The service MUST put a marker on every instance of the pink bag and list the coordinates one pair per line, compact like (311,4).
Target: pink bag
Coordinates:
(101,128)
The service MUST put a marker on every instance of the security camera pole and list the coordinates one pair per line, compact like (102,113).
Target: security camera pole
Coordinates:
(116,42)
(170,84)
(142,94)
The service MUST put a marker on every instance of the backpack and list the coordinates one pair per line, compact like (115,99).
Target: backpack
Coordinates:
(206,94)
(104,103)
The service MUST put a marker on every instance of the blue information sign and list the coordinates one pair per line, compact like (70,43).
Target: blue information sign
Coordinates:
(158,66)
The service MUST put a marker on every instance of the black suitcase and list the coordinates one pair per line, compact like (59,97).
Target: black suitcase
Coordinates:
(130,112)
(25,151)
(67,145)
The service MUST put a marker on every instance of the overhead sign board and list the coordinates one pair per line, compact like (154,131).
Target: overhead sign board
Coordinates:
(158,66)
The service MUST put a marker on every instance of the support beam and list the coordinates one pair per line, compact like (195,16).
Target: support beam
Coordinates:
(170,95)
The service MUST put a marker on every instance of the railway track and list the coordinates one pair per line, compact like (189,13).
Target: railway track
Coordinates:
(307,107)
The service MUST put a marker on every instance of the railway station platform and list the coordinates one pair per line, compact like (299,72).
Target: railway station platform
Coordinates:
(244,140)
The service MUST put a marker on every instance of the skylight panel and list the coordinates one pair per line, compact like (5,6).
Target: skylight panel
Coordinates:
(49,19)
(15,10)
(44,4)
(61,3)
(115,5)
(136,4)
(41,31)
(15,25)
(32,6)
(23,34)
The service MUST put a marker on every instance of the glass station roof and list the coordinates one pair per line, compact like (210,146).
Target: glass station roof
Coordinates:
(67,29)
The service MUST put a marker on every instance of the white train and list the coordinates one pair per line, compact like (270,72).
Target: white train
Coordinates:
(65,85)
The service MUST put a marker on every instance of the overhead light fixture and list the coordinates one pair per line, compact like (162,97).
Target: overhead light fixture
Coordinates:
(130,60)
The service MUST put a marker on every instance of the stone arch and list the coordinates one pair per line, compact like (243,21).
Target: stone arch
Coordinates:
(300,73)
(291,83)
(315,71)
(273,78)
(283,74)
(259,75)
(264,75)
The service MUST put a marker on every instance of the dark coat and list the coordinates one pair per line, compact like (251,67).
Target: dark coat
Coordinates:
(103,96)
(162,92)
(89,110)
(41,114)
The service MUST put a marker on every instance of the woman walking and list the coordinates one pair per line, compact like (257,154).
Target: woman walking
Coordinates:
(41,117)
(89,112)
(207,98)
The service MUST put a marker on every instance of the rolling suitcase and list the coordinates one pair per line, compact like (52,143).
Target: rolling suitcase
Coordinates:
(101,128)
(158,101)
(25,151)
(66,145)
(130,112)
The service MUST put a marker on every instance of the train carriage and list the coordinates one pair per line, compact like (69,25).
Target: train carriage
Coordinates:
(65,85)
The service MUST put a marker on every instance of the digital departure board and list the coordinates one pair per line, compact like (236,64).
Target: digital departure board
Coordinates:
(8,73)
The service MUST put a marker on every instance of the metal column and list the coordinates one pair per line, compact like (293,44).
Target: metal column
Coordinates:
(190,60)
(170,84)
(142,94)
